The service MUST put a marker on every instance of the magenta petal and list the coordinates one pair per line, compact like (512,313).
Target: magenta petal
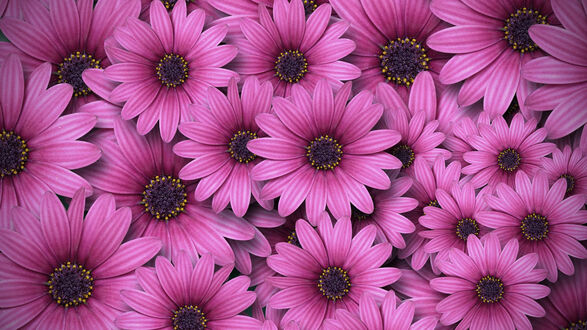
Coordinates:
(568,115)
(129,257)
(144,303)
(560,43)
(131,320)
(464,39)
(18,249)
(55,226)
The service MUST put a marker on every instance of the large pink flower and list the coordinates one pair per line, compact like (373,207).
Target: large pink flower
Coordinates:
(564,72)
(187,296)
(490,41)
(64,271)
(289,50)
(167,65)
(323,151)
(38,146)
(489,288)
(218,142)
(541,219)
(330,271)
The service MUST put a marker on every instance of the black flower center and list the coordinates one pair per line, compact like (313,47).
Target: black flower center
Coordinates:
(434,203)
(164,197)
(516,29)
(237,146)
(310,6)
(570,183)
(402,60)
(70,284)
(13,153)
(490,289)
(291,66)
(293,239)
(466,227)
(188,317)
(70,71)
(508,160)
(324,153)
(334,283)
(404,153)
(172,70)
(534,227)
(358,215)
(579,325)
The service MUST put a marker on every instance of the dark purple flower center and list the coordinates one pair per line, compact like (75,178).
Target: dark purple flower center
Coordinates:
(534,227)
(402,60)
(404,153)
(570,183)
(466,227)
(310,6)
(188,317)
(358,215)
(237,146)
(434,203)
(71,69)
(579,325)
(293,239)
(516,29)
(291,66)
(324,153)
(489,289)
(334,283)
(164,197)
(172,70)
(13,153)
(70,284)
(508,160)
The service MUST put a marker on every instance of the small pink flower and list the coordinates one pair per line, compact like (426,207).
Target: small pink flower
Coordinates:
(570,165)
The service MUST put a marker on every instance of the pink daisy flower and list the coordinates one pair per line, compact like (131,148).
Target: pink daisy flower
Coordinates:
(541,219)
(182,296)
(142,173)
(453,219)
(386,316)
(331,271)
(166,65)
(491,43)
(570,165)
(39,148)
(564,72)
(61,271)
(489,288)
(69,34)
(218,142)
(323,151)
(289,50)
(501,151)
(391,41)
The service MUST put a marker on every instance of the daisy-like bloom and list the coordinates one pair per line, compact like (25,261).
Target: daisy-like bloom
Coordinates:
(391,41)
(218,142)
(564,72)
(386,316)
(489,288)
(38,146)
(330,271)
(323,151)
(453,220)
(501,151)
(541,219)
(167,65)
(185,296)
(565,305)
(70,35)
(570,165)
(289,50)
(491,43)
(61,271)
(142,172)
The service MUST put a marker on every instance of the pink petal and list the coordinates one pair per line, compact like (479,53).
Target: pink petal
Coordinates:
(560,43)
(128,257)
(502,84)
(463,66)
(567,116)
(548,70)
(144,303)
(464,39)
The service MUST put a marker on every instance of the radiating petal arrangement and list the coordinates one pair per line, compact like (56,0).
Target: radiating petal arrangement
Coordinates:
(293,164)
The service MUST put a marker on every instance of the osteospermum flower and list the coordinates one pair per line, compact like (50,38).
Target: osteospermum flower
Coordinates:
(63,270)
(289,50)
(391,41)
(541,219)
(70,35)
(330,271)
(570,165)
(38,146)
(218,142)
(489,288)
(183,296)
(321,150)
(167,65)
(564,72)
(490,41)
(501,151)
